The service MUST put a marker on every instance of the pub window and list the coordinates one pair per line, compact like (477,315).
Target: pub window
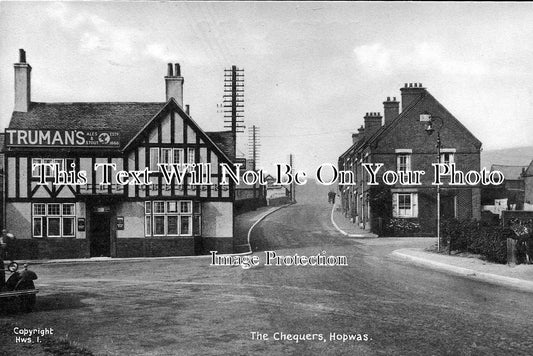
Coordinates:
(154,158)
(197,219)
(178,156)
(191,155)
(147,218)
(70,164)
(172,218)
(35,171)
(68,219)
(53,220)
(166,155)
(64,164)
(39,212)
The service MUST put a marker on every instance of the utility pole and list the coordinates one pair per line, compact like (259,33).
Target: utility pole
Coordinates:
(253,150)
(292,186)
(233,102)
(253,145)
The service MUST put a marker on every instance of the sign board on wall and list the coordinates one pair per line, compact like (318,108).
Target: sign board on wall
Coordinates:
(120,223)
(81,224)
(62,138)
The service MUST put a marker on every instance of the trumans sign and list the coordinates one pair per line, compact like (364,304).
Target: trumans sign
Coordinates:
(64,138)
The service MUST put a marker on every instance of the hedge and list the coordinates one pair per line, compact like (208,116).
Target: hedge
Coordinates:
(486,240)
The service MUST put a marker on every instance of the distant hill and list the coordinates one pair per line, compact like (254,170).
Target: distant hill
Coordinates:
(517,156)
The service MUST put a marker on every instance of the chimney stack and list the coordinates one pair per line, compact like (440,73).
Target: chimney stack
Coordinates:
(174,83)
(410,93)
(355,138)
(391,109)
(22,83)
(372,123)
(188,109)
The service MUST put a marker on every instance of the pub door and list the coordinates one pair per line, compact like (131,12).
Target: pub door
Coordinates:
(100,235)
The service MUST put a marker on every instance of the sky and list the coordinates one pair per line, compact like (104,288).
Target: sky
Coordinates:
(312,70)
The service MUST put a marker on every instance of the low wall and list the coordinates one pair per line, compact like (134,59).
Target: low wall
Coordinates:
(155,247)
(50,248)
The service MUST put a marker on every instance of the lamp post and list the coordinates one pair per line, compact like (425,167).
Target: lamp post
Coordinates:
(427,117)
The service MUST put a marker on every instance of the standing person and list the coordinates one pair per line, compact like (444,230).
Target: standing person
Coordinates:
(2,267)
(7,239)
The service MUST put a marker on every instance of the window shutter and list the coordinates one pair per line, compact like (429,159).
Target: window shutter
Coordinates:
(395,205)
(414,202)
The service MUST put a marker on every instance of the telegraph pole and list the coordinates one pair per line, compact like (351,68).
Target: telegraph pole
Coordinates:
(233,101)
(253,150)
(292,186)
(254,145)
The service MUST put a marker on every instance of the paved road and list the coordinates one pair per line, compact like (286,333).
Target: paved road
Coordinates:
(186,307)
(404,308)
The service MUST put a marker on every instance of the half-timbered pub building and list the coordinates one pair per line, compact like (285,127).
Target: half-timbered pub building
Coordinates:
(64,219)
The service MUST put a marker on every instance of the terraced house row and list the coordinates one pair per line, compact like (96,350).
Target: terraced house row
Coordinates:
(399,139)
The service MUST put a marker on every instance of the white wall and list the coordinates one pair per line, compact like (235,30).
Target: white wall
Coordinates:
(217,219)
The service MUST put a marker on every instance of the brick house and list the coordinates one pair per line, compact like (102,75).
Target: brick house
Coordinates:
(400,142)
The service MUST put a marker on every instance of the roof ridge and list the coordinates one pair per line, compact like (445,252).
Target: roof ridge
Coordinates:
(509,165)
(96,102)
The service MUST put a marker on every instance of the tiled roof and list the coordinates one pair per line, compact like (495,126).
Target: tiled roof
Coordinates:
(127,118)
(224,141)
(365,141)
(509,172)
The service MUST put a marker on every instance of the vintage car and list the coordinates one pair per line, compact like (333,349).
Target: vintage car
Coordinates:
(18,292)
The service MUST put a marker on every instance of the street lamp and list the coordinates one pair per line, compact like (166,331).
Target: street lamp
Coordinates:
(427,117)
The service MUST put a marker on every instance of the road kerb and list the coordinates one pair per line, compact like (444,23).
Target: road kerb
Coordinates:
(258,221)
(515,283)
(341,230)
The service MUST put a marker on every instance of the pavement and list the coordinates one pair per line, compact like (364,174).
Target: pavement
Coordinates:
(345,226)
(517,277)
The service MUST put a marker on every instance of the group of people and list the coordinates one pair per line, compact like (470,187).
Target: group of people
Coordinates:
(331,197)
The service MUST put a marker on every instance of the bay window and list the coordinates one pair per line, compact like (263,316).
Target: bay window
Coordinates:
(172,218)
(53,219)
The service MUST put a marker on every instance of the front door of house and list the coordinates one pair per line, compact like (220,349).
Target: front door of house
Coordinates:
(100,234)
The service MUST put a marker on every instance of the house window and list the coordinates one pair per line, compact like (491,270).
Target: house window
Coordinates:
(172,218)
(405,205)
(446,156)
(53,219)
(403,162)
